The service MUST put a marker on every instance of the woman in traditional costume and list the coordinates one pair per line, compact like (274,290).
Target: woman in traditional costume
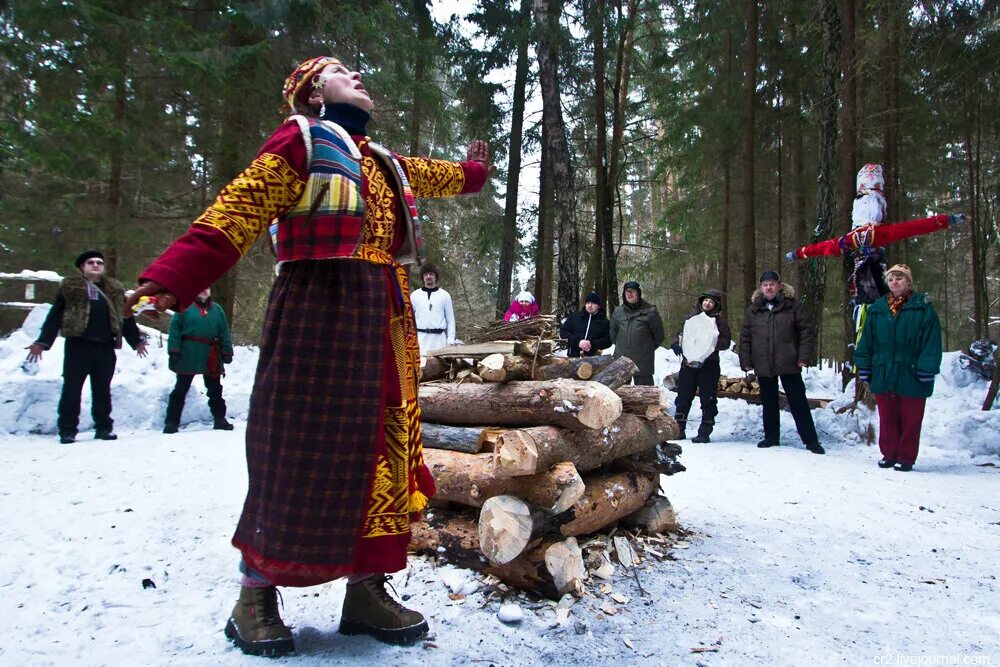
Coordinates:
(336,472)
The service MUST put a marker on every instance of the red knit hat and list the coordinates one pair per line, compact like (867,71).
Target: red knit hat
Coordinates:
(302,75)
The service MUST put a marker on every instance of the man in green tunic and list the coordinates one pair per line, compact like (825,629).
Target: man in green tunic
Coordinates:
(199,344)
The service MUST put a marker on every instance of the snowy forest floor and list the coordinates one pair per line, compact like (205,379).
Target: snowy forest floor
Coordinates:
(793,558)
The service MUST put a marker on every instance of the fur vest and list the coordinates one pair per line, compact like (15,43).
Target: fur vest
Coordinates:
(74,289)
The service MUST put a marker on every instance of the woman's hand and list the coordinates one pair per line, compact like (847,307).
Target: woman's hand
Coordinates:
(164,299)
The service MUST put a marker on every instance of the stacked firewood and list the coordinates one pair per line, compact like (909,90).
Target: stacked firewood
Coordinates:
(748,389)
(536,452)
(540,327)
(744,386)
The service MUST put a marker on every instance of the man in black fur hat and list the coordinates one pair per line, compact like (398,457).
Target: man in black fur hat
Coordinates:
(90,311)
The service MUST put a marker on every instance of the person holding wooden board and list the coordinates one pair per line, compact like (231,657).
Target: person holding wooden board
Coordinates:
(705,333)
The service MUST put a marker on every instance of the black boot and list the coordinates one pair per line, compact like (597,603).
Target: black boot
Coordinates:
(217,405)
(222,424)
(704,431)
(105,434)
(815,448)
(175,407)
(681,420)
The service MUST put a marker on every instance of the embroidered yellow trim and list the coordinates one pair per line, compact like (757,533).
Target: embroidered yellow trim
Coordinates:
(243,210)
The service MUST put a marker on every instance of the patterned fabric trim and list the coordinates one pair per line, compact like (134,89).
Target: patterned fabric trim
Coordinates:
(415,240)
(435,178)
(388,508)
(374,255)
(245,206)
(400,488)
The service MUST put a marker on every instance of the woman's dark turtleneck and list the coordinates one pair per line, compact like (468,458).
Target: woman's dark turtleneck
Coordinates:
(351,118)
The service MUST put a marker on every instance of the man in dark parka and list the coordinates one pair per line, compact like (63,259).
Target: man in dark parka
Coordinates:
(777,342)
(636,331)
(199,344)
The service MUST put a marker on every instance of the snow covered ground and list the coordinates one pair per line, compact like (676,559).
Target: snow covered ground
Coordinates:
(792,559)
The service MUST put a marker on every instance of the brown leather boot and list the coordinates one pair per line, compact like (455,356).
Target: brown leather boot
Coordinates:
(255,625)
(370,610)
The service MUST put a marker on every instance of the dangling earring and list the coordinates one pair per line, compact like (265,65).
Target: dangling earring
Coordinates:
(322,109)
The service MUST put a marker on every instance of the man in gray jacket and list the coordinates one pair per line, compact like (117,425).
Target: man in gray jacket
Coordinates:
(636,331)
(777,341)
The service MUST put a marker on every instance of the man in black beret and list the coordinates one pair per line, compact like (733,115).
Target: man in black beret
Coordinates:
(90,311)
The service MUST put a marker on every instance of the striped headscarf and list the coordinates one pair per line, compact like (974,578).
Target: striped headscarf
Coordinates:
(302,76)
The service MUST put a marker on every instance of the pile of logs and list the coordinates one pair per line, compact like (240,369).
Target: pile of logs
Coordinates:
(540,327)
(535,452)
(748,389)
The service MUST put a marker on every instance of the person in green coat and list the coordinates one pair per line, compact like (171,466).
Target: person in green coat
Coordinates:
(898,355)
(636,331)
(199,344)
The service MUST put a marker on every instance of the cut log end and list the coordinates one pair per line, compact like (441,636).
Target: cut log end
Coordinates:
(515,453)
(504,528)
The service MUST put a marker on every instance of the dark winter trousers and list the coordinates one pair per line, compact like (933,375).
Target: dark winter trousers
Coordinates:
(899,420)
(646,380)
(85,358)
(795,392)
(175,406)
(705,381)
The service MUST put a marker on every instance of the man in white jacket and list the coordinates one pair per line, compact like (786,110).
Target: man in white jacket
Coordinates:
(433,312)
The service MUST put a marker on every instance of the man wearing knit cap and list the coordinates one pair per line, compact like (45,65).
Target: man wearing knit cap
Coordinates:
(636,331)
(334,451)
(432,309)
(89,310)
(587,331)
(777,342)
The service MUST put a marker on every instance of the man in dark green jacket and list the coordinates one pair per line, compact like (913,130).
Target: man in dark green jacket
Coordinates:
(89,311)
(199,344)
(899,354)
(636,331)
(777,342)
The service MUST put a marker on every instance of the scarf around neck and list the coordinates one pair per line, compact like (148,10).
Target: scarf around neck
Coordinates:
(897,302)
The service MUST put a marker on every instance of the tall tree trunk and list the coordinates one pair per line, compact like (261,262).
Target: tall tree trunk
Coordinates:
(749,130)
(780,252)
(421,55)
(233,154)
(815,282)
(797,196)
(547,19)
(727,168)
(890,134)
(977,268)
(602,204)
(623,73)
(117,160)
(509,241)
(545,247)
(848,161)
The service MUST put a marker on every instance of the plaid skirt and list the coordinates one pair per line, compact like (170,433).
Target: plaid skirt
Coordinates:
(333,437)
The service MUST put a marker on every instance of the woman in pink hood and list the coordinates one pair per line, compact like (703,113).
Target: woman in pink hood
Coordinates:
(522,307)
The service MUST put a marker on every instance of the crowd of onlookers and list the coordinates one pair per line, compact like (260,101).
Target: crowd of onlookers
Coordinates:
(897,356)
